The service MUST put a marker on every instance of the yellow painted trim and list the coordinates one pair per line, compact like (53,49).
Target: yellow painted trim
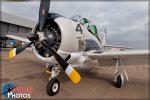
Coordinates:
(75,77)
(11,53)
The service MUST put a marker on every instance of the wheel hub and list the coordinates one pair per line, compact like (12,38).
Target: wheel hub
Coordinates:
(55,87)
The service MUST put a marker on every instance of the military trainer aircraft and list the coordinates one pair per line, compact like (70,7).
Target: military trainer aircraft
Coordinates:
(59,42)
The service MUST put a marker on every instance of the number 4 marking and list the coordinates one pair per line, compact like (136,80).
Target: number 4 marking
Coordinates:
(78,28)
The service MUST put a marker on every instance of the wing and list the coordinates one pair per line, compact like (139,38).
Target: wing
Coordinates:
(130,57)
(18,38)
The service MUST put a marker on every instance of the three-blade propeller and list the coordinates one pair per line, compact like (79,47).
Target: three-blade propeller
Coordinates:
(34,37)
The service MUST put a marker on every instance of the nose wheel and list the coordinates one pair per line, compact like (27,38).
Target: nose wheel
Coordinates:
(53,84)
(52,87)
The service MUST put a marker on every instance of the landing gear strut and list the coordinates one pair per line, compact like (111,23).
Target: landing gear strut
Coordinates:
(120,73)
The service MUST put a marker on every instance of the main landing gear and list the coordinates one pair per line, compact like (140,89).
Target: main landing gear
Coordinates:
(120,73)
(53,83)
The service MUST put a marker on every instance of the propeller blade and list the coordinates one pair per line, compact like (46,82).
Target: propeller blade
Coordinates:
(69,70)
(19,49)
(43,12)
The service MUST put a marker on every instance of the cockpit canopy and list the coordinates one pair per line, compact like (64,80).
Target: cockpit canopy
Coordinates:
(84,21)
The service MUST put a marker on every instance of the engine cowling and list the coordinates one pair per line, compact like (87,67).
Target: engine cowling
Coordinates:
(71,38)
(60,29)
(52,35)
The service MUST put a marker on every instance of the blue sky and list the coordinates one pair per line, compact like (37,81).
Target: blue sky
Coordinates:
(126,22)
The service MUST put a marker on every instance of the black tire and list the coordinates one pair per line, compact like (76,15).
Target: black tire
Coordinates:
(119,81)
(51,88)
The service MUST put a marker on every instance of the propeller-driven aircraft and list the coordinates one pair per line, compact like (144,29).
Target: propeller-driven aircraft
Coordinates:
(59,42)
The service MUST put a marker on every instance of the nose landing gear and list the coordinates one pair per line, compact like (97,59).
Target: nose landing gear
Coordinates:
(53,84)
(52,87)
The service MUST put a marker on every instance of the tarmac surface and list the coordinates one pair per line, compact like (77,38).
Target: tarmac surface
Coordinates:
(25,70)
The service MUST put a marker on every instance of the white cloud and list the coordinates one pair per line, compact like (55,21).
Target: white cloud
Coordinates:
(123,19)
